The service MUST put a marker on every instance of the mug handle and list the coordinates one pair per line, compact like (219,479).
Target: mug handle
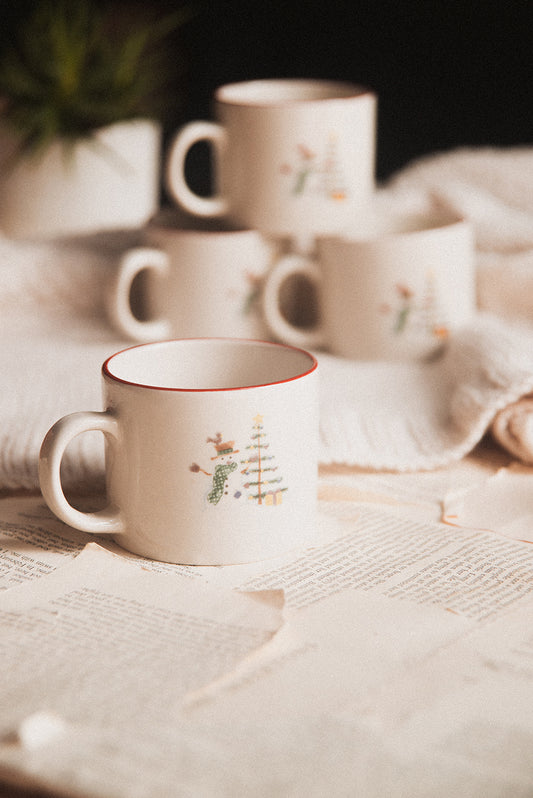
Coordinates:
(175,169)
(285,331)
(53,447)
(119,306)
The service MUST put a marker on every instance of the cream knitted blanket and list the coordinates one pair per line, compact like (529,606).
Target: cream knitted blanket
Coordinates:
(54,335)
(494,190)
(407,417)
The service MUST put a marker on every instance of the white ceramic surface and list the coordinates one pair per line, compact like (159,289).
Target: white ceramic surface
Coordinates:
(292,157)
(394,292)
(211,455)
(202,279)
(110,181)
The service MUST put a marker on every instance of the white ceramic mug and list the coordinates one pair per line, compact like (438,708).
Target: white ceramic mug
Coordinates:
(292,157)
(393,292)
(211,451)
(202,279)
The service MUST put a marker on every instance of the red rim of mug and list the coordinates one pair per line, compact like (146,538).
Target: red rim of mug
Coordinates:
(246,341)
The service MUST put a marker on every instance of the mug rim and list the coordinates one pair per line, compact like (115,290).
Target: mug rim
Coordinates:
(338,90)
(440,222)
(107,373)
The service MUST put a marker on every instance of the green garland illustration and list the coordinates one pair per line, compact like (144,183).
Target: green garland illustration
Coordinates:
(265,485)
(418,314)
(327,166)
(261,480)
(224,466)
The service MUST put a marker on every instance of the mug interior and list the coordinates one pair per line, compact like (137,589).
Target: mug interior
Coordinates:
(208,364)
(285,91)
(387,224)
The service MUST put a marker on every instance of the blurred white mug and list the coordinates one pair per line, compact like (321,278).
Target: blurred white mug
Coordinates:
(293,158)
(393,292)
(201,278)
(211,451)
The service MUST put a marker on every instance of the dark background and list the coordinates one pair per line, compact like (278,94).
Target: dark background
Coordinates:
(447,73)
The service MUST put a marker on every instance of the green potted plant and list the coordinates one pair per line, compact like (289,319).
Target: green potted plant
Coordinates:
(81,106)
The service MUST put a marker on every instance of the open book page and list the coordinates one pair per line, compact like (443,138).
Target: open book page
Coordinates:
(418,494)
(467,572)
(369,618)
(407,668)
(467,708)
(384,700)
(293,701)
(504,504)
(33,543)
(104,647)
(417,568)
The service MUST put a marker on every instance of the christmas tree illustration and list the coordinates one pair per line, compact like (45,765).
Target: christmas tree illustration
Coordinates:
(333,180)
(419,316)
(326,164)
(264,483)
(302,170)
(432,317)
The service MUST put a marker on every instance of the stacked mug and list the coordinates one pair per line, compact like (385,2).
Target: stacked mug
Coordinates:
(294,206)
(212,437)
(291,159)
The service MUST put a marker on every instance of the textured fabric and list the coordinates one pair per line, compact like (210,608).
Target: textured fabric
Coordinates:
(513,429)
(54,336)
(406,417)
(492,188)
(67,277)
(47,373)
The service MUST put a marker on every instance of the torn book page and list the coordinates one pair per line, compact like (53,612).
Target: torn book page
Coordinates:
(103,645)
(302,708)
(417,494)
(472,573)
(467,707)
(33,543)
(503,504)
